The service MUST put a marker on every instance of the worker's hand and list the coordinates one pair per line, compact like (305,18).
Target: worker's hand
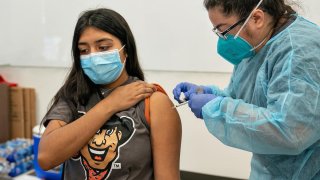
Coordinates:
(188,89)
(197,101)
(124,97)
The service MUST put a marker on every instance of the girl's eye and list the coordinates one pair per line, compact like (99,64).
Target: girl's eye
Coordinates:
(104,48)
(83,51)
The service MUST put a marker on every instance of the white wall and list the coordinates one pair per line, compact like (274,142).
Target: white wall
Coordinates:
(201,152)
(153,23)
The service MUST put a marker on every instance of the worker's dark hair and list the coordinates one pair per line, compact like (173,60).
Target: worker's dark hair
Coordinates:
(276,8)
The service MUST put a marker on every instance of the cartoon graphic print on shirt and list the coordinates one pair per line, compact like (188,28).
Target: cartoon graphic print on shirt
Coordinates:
(98,156)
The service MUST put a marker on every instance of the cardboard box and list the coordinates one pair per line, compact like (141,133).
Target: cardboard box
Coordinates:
(17,112)
(4,113)
(33,108)
(22,112)
(27,113)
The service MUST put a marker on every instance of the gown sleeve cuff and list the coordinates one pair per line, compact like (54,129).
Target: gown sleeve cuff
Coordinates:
(212,108)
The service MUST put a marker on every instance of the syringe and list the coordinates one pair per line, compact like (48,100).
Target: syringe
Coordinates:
(181,104)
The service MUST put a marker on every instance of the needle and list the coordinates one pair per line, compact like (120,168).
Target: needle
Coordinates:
(181,104)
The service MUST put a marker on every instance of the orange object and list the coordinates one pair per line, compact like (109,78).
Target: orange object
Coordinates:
(147,103)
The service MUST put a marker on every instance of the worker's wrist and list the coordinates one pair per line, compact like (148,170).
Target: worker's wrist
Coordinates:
(206,89)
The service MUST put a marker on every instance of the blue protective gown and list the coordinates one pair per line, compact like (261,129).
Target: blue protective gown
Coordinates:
(272,106)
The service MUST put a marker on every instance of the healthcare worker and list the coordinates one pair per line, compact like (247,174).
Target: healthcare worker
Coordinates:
(272,104)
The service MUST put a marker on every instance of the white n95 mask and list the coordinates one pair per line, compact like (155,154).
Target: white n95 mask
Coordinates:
(102,67)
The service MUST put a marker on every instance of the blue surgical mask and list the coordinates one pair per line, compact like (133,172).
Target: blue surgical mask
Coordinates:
(234,48)
(102,67)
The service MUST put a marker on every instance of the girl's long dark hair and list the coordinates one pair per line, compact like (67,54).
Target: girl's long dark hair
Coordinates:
(78,87)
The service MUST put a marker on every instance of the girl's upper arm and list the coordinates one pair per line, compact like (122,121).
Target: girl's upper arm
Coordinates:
(166,130)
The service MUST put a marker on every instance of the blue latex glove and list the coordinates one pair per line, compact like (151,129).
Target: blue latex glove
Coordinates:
(188,89)
(197,101)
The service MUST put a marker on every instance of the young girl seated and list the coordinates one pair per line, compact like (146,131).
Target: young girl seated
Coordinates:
(99,124)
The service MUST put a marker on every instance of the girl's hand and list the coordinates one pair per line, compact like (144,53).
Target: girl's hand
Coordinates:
(126,96)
